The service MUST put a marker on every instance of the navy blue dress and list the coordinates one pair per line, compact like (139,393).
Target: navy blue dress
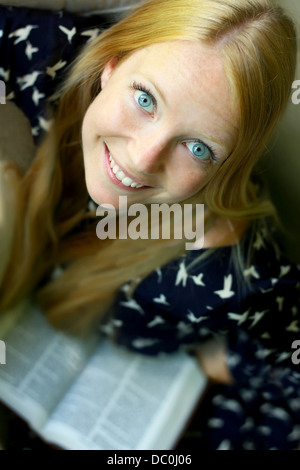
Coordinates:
(254,310)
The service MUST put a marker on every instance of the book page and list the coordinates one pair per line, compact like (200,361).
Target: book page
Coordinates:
(41,363)
(122,400)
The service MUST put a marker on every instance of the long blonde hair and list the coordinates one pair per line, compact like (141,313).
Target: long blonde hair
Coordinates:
(258,48)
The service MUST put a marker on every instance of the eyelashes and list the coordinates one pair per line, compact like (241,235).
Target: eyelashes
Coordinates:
(143,98)
(147,101)
(201,151)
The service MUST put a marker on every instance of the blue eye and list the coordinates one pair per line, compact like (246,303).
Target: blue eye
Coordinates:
(199,150)
(144,100)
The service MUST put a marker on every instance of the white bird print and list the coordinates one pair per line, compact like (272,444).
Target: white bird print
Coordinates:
(249,422)
(231,405)
(275,412)
(294,310)
(263,353)
(265,291)
(215,423)
(282,356)
(264,430)
(28,80)
(126,288)
(295,434)
(37,96)
(184,328)
(161,300)
(22,34)
(35,131)
(132,303)
(52,70)
(257,317)
(251,272)
(226,292)
(30,50)
(280,301)
(44,124)
(294,403)
(140,343)
(224,445)
(293,327)
(192,317)
(69,32)
(233,360)
(182,275)
(259,242)
(11,96)
(109,327)
(4,74)
(284,270)
(241,318)
(91,33)
(198,280)
(159,274)
(156,321)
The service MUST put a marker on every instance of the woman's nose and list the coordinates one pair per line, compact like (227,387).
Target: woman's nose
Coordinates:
(149,154)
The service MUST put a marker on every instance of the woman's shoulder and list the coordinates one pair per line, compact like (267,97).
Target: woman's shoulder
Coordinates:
(253,262)
(253,244)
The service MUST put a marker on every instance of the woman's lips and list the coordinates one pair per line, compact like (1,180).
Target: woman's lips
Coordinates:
(119,177)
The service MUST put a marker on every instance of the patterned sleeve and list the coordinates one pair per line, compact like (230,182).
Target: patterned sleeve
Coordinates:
(36,47)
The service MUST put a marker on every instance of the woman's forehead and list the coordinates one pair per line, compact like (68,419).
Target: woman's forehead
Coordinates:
(191,79)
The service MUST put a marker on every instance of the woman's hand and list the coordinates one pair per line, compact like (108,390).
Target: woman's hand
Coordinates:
(212,359)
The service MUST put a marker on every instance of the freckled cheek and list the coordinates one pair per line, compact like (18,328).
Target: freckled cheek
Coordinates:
(112,118)
(185,186)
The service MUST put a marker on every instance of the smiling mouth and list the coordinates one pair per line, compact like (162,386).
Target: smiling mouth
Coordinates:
(120,177)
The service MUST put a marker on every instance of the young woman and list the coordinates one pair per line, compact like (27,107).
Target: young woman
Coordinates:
(173,104)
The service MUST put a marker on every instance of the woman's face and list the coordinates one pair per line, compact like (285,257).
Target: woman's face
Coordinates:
(161,126)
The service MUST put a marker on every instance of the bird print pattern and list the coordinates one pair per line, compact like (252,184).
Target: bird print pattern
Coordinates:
(36,47)
(254,310)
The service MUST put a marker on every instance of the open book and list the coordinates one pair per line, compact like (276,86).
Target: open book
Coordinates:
(88,394)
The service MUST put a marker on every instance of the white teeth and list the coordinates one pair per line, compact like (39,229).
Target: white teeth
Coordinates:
(127,181)
(122,177)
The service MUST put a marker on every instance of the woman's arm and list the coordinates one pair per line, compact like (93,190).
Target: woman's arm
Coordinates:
(212,359)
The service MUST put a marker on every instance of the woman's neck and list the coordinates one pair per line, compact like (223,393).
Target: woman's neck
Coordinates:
(224,232)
